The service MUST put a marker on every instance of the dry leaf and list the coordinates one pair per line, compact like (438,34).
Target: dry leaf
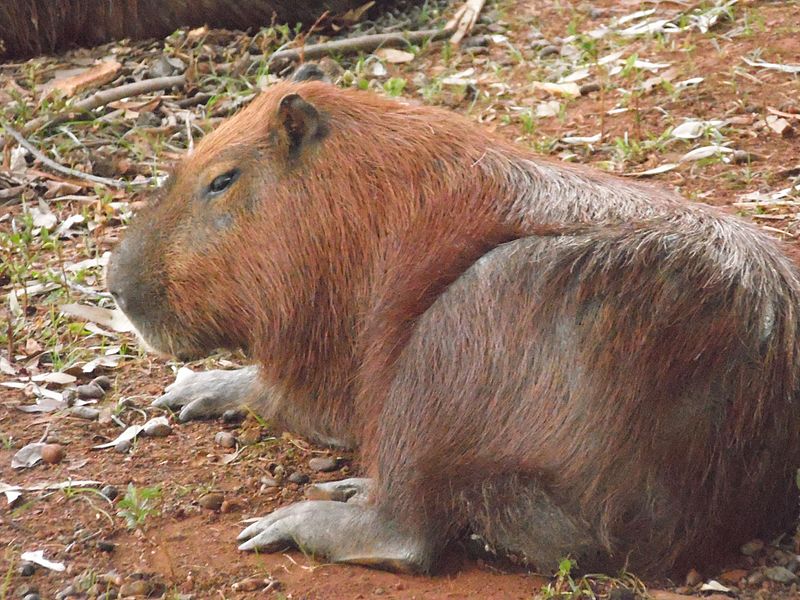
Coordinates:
(394,56)
(567,90)
(94,77)
(115,319)
(27,456)
(780,126)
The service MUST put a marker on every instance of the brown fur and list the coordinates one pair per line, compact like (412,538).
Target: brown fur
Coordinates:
(30,27)
(560,360)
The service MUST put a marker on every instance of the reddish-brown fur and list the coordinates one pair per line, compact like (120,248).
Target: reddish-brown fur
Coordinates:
(523,348)
(30,27)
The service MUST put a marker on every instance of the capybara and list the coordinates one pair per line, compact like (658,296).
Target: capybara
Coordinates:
(30,27)
(560,361)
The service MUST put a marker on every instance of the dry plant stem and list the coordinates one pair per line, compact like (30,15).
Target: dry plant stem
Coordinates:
(464,19)
(54,166)
(365,43)
(104,97)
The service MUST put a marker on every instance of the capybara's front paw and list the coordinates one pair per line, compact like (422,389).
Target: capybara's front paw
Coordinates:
(207,394)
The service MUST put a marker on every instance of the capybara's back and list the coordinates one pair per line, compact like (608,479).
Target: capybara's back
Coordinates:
(559,360)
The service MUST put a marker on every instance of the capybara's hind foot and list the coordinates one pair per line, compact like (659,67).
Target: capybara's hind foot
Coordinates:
(339,532)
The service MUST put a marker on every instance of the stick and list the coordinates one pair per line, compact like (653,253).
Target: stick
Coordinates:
(54,166)
(104,97)
(365,43)
(464,19)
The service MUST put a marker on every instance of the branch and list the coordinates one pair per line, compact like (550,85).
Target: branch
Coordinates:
(366,43)
(54,166)
(464,19)
(104,97)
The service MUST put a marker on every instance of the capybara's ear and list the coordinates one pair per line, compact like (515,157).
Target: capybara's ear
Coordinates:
(310,72)
(301,121)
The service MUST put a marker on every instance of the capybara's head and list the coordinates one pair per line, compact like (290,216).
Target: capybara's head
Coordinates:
(233,231)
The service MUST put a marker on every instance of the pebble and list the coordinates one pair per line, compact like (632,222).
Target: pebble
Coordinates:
(780,574)
(25,589)
(229,506)
(90,391)
(105,546)
(66,593)
(323,464)
(53,453)
(588,88)
(225,439)
(249,437)
(733,577)
(693,578)
(27,569)
(298,477)
(123,446)
(157,429)
(233,415)
(31,596)
(85,412)
(212,501)
(621,593)
(103,381)
(752,547)
(109,491)
(475,41)
(251,584)
(549,50)
(269,482)
(135,588)
(756,578)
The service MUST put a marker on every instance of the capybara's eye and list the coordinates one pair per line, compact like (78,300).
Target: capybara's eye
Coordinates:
(222,182)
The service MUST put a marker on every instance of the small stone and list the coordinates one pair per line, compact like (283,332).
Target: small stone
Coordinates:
(269,482)
(31,596)
(103,381)
(139,587)
(756,578)
(752,547)
(475,41)
(123,446)
(279,472)
(379,591)
(53,453)
(780,574)
(66,593)
(157,429)
(109,491)
(741,157)
(225,439)
(90,391)
(111,594)
(105,546)
(693,578)
(85,412)
(249,437)
(588,88)
(233,415)
(549,50)
(323,464)
(733,577)
(212,501)
(251,584)
(298,477)
(229,506)
(27,569)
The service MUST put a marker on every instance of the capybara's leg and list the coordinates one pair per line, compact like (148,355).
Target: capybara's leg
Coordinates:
(340,532)
(208,394)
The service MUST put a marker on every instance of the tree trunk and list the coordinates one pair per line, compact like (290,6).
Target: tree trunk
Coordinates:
(30,27)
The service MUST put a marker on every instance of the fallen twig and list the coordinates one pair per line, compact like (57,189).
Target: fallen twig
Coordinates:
(366,43)
(464,19)
(54,166)
(104,97)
